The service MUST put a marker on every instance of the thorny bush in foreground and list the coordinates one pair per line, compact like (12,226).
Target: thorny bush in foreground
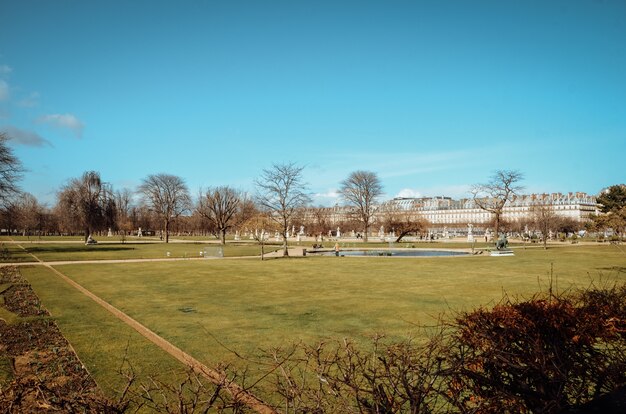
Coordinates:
(549,354)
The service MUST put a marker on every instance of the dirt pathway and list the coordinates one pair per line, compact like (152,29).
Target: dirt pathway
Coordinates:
(218,378)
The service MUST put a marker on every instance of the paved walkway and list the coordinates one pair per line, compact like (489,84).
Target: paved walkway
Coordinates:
(216,377)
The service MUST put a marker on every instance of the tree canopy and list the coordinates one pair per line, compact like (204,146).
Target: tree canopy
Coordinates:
(613,198)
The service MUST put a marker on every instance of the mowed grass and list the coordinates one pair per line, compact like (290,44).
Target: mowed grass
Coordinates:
(211,307)
(50,252)
(102,342)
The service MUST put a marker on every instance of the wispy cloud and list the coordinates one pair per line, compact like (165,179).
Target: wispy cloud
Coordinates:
(5,70)
(64,121)
(408,193)
(30,101)
(328,198)
(4,90)
(25,137)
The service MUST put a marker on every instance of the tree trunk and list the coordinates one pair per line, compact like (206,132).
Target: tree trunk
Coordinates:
(402,234)
(285,248)
(167,231)
(366,231)
(497,226)
(87,233)
(223,236)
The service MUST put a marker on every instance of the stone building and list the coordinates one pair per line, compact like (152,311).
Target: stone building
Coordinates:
(443,211)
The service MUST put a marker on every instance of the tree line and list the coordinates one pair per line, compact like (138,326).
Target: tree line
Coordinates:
(88,205)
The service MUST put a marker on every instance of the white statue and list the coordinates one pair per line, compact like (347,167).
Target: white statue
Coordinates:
(470,233)
(139,233)
(338,233)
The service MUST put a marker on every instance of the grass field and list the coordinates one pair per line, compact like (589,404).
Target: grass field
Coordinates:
(248,305)
(109,251)
(64,249)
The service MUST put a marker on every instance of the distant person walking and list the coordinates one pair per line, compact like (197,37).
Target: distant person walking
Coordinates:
(337,249)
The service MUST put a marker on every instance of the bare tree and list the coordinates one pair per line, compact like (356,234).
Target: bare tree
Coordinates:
(262,223)
(281,191)
(361,190)
(493,195)
(10,171)
(404,222)
(317,220)
(30,213)
(545,219)
(166,195)
(124,208)
(220,206)
(87,202)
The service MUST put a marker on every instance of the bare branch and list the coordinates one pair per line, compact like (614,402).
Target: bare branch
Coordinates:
(167,195)
(282,191)
(361,190)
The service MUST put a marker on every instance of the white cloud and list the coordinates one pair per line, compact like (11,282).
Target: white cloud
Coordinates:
(408,193)
(328,198)
(64,121)
(4,90)
(5,69)
(25,137)
(329,194)
(30,101)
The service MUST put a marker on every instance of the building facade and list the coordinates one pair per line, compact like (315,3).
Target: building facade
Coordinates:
(444,211)
(447,211)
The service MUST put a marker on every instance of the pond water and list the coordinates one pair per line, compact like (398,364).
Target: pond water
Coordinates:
(399,253)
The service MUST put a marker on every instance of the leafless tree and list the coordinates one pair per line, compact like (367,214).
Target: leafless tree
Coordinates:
(493,195)
(247,209)
(166,195)
(361,190)
(545,219)
(10,171)
(220,206)
(403,221)
(281,191)
(87,202)
(124,206)
(260,223)
(30,213)
(318,220)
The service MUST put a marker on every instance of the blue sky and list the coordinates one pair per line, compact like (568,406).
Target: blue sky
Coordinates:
(431,95)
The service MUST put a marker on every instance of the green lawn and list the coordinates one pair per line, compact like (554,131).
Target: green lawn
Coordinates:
(104,251)
(71,248)
(205,307)
(100,339)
